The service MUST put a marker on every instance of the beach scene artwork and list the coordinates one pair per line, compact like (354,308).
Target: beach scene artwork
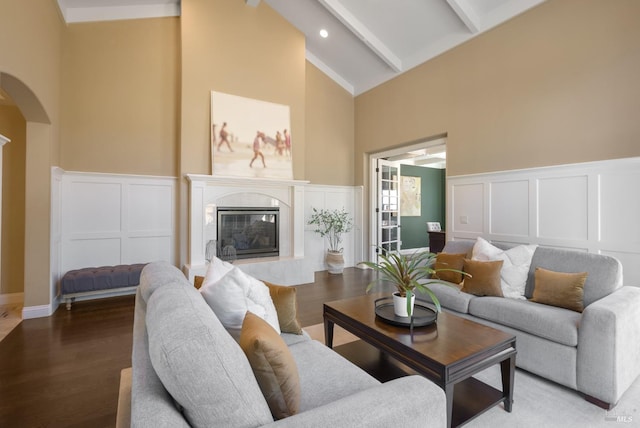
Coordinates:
(250,138)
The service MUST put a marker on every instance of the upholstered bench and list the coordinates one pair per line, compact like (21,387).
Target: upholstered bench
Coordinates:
(99,281)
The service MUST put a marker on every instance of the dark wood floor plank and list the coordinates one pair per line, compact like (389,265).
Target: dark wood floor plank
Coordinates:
(64,370)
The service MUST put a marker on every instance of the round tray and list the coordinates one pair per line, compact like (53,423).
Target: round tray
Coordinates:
(423,314)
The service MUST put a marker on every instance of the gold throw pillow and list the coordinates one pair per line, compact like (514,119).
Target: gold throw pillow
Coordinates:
(272,364)
(565,290)
(484,279)
(449,261)
(284,299)
(197,281)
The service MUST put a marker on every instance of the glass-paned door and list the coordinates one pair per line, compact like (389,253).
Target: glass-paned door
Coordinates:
(388,206)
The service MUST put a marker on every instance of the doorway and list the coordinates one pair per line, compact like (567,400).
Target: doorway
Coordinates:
(386,220)
(12,213)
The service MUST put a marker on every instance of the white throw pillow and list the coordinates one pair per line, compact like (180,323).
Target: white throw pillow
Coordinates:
(515,268)
(216,270)
(236,293)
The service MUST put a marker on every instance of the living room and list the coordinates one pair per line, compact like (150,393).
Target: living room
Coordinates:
(554,86)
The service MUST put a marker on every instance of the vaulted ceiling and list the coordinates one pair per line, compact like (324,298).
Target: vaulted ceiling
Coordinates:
(368,41)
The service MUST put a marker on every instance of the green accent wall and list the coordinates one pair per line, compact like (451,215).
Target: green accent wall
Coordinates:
(414,228)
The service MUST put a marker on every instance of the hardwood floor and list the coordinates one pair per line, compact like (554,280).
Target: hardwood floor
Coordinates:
(64,370)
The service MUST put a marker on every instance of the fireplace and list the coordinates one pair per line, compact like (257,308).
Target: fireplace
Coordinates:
(248,232)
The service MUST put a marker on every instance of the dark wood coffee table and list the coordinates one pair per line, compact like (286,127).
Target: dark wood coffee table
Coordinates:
(448,353)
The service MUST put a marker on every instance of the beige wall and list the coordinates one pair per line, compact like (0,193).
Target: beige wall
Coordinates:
(329,130)
(120,97)
(233,48)
(30,48)
(556,85)
(14,127)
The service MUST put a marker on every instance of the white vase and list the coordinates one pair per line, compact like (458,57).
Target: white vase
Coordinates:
(335,262)
(400,304)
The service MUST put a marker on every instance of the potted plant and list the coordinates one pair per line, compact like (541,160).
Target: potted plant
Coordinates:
(406,272)
(332,224)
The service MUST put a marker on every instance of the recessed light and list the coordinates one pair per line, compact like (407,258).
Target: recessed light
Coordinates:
(324,33)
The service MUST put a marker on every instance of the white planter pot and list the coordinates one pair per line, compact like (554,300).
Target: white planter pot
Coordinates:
(400,304)
(335,262)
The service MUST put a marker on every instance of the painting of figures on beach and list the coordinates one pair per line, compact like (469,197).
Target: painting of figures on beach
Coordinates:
(250,138)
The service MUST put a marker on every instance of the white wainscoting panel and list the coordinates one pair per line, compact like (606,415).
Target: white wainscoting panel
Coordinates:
(562,208)
(111,219)
(467,208)
(593,207)
(92,207)
(620,209)
(515,221)
(150,208)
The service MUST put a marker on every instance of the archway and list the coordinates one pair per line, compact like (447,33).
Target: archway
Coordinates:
(12,183)
(38,298)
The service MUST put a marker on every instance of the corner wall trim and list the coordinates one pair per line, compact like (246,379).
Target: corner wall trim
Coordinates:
(39,311)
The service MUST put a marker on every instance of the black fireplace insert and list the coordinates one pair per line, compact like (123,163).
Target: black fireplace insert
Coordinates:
(248,232)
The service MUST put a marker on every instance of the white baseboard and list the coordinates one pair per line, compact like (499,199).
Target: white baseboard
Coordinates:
(11,298)
(39,311)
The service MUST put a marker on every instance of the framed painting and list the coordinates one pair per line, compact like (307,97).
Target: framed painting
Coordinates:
(410,196)
(250,138)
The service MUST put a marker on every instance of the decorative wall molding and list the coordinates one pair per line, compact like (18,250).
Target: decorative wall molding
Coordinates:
(334,197)
(590,207)
(102,219)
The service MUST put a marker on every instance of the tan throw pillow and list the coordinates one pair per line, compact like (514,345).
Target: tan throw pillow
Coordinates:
(565,290)
(284,299)
(272,364)
(484,279)
(449,261)
(197,281)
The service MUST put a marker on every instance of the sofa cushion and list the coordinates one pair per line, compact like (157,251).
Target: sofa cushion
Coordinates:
(199,363)
(286,304)
(325,376)
(272,364)
(446,261)
(560,289)
(515,269)
(236,293)
(483,279)
(292,339)
(604,272)
(450,297)
(549,322)
(459,247)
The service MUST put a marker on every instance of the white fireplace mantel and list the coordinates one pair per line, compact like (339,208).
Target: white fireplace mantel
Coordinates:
(242,181)
(207,192)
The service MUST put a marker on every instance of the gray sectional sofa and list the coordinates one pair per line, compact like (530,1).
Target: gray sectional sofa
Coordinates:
(595,352)
(189,371)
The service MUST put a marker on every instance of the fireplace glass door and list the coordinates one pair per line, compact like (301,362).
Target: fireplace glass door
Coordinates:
(248,232)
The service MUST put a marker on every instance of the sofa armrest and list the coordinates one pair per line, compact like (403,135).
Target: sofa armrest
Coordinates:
(609,345)
(407,401)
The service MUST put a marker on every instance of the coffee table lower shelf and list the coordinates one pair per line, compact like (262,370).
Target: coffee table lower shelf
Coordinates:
(472,397)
